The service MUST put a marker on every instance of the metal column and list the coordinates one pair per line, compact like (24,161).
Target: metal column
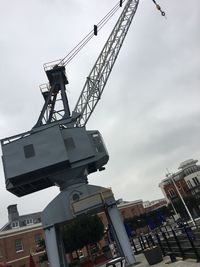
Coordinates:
(120,231)
(54,247)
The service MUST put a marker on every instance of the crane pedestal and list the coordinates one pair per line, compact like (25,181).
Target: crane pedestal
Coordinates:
(76,200)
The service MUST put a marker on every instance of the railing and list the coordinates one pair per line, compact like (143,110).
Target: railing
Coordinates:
(174,241)
(10,139)
(50,65)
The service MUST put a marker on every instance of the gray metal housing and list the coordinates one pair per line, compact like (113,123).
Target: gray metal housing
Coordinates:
(53,156)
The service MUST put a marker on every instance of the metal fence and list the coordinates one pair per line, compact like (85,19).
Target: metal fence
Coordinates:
(174,241)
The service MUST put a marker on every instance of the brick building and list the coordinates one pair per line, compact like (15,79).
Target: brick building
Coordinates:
(17,244)
(170,191)
(187,181)
(192,176)
(154,205)
(19,238)
(16,221)
(127,210)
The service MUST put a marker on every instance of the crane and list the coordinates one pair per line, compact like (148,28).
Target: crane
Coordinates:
(58,132)
(59,150)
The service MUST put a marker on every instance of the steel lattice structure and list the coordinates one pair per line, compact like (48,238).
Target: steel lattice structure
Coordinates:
(56,109)
(99,74)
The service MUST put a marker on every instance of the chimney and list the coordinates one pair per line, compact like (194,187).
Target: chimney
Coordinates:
(13,214)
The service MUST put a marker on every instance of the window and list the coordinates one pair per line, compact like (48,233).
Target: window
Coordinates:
(171,192)
(18,245)
(38,237)
(189,184)
(69,144)
(29,221)
(179,185)
(98,142)
(29,151)
(196,181)
(15,224)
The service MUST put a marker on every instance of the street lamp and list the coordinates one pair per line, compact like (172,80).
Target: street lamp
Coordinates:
(183,201)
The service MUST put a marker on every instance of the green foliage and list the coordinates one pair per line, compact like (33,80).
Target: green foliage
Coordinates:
(43,258)
(82,231)
(41,246)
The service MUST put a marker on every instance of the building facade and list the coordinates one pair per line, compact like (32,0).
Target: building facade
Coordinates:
(154,205)
(186,180)
(128,209)
(192,176)
(18,245)
(19,239)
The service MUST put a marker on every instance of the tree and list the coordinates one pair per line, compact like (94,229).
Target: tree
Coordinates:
(41,247)
(83,231)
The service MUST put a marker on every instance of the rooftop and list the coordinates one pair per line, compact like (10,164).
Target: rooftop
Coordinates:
(16,221)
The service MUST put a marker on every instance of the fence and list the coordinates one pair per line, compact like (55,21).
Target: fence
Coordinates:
(174,241)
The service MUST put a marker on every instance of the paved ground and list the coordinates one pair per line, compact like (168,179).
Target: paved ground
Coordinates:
(166,262)
(141,262)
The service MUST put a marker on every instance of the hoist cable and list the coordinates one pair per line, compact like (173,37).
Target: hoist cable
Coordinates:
(89,36)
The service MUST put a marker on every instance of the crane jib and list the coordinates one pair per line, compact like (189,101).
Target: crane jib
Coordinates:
(96,81)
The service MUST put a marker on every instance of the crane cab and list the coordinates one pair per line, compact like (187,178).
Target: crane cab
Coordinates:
(53,156)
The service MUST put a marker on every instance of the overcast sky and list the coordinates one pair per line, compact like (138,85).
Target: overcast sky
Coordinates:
(149,114)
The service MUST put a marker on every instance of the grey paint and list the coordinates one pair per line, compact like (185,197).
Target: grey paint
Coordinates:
(60,209)
(49,150)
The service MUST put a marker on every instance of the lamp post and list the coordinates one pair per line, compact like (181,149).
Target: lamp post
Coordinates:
(183,201)
(176,213)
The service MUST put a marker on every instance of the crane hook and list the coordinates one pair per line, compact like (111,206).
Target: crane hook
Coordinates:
(159,8)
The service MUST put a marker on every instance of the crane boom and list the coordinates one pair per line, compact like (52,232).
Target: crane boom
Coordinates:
(101,70)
